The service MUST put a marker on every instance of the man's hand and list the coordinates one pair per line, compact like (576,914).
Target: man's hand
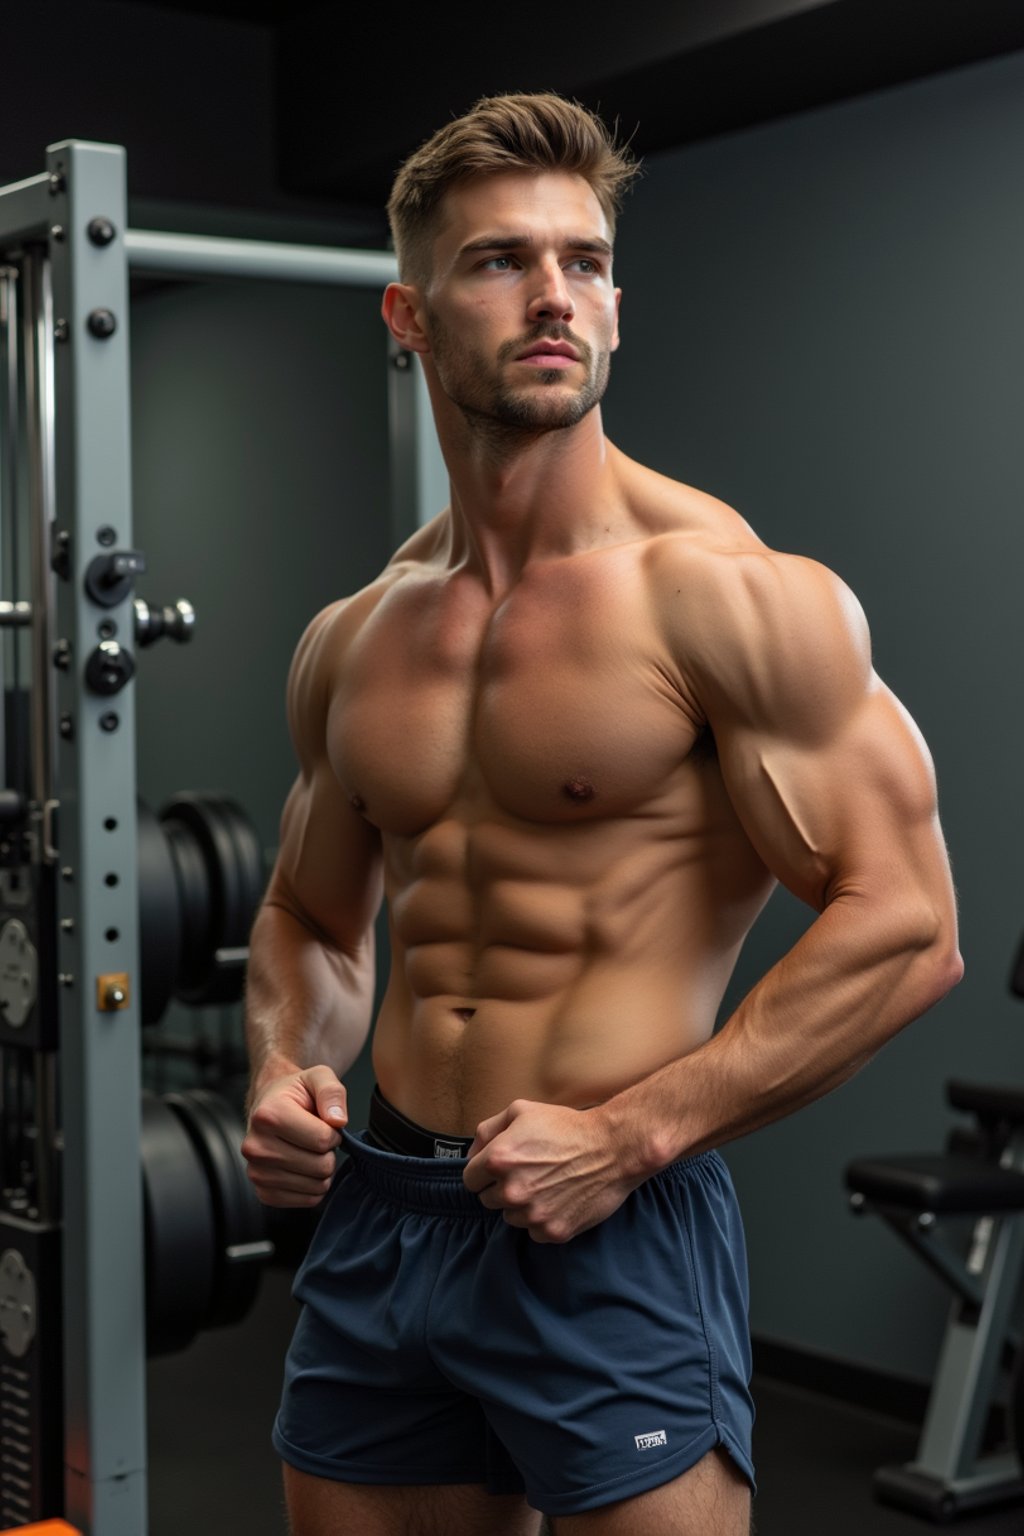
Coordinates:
(290,1144)
(552,1170)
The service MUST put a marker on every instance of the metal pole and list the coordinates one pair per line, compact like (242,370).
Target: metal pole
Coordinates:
(39,432)
(211,256)
(24,210)
(97,888)
(419,476)
(8,485)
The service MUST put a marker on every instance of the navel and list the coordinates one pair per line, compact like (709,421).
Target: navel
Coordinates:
(579,790)
(465,1014)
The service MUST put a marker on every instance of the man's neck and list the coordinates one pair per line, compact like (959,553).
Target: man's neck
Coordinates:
(519,498)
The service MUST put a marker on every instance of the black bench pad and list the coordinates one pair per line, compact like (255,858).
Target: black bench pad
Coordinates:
(990,1101)
(932,1182)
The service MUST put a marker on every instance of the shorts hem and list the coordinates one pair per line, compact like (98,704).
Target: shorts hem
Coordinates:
(338,1471)
(644,1478)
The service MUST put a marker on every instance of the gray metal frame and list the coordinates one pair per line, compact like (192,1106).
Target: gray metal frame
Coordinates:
(171,255)
(971,1359)
(950,1469)
(78,477)
(84,784)
(94,786)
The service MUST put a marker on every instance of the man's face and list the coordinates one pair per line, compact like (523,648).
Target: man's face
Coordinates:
(520,310)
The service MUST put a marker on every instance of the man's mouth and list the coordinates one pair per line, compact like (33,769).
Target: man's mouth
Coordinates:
(549,354)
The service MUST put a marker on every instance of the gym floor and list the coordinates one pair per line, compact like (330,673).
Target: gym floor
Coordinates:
(212,1468)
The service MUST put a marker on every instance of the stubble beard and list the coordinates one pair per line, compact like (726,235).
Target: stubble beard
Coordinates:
(493,409)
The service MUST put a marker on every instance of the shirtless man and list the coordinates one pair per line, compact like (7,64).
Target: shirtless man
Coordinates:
(575,732)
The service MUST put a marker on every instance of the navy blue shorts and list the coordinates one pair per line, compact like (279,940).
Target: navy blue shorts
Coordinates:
(438,1344)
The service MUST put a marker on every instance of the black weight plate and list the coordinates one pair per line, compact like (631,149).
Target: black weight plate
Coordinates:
(159,917)
(198,856)
(242,880)
(222,985)
(248,864)
(224,875)
(217,1133)
(179,1228)
(231,859)
(198,919)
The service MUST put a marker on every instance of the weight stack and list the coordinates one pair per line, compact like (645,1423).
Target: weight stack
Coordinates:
(31,1372)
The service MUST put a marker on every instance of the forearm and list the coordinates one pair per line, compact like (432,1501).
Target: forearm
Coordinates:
(307,1001)
(857,976)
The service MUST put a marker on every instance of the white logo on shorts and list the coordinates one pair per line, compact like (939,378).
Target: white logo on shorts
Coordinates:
(647,1442)
(446,1149)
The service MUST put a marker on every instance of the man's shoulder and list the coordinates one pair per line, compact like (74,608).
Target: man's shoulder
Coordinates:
(702,550)
(743,619)
(728,570)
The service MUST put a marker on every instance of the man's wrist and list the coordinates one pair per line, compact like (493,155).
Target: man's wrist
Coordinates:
(644,1143)
(273,1066)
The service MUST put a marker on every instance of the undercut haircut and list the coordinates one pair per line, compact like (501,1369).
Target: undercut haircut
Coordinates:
(534,132)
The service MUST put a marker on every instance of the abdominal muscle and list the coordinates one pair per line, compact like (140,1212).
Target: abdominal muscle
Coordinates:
(579,967)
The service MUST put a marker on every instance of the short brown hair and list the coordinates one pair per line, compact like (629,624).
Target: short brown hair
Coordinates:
(532,132)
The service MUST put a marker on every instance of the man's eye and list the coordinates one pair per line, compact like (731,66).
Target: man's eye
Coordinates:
(498,263)
(586,266)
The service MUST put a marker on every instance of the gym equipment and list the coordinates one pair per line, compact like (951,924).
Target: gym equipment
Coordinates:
(206,1232)
(107,912)
(201,879)
(980,1178)
(206,1241)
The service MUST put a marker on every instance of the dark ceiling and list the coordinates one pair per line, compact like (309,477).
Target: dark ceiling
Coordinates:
(358,89)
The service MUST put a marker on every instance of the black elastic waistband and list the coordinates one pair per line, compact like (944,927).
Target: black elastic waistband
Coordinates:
(396,1133)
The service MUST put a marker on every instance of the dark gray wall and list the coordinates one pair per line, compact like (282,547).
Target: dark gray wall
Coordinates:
(260,469)
(823,322)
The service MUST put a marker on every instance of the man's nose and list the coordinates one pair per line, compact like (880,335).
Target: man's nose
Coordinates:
(551,299)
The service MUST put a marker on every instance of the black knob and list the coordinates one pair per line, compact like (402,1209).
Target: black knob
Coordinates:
(101,231)
(110,578)
(102,323)
(109,668)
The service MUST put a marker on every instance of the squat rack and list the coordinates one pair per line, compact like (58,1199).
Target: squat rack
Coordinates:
(71,1234)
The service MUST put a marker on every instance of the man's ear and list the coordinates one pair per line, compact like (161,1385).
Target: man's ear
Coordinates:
(401,307)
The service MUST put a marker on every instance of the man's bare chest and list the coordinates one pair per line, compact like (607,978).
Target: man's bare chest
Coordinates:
(559,705)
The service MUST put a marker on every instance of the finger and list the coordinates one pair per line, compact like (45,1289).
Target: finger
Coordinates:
(283,1181)
(287,1201)
(275,1194)
(283,1135)
(271,1157)
(328,1094)
(487,1130)
(477,1175)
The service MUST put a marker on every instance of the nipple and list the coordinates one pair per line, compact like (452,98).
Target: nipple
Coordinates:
(357,804)
(579,790)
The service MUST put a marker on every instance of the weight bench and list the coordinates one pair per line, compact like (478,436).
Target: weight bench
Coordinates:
(981,1176)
